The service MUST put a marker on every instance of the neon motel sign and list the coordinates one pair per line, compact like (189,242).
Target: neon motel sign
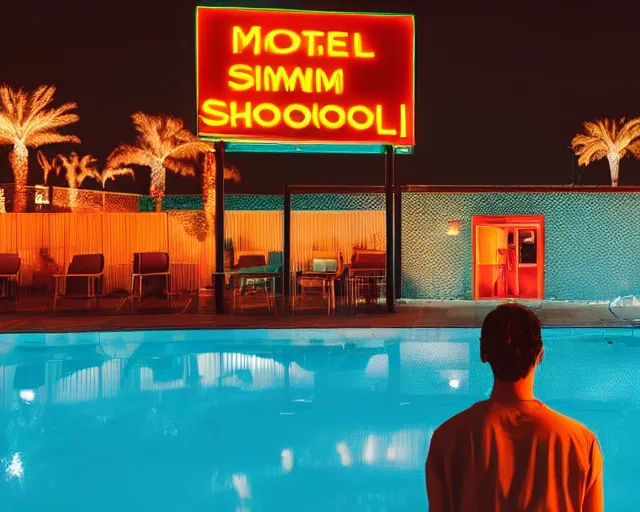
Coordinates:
(305,77)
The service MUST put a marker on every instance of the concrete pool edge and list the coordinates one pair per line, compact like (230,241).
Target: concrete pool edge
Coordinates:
(429,314)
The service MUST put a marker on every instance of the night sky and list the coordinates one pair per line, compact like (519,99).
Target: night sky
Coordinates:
(501,88)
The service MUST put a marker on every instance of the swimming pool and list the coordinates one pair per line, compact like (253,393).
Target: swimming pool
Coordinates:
(276,420)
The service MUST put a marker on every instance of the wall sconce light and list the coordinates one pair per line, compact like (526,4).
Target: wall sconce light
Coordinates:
(453,228)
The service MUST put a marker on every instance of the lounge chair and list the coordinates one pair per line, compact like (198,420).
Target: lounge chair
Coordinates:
(83,280)
(9,276)
(151,277)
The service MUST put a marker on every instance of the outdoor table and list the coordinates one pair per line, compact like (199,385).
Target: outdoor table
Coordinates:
(240,275)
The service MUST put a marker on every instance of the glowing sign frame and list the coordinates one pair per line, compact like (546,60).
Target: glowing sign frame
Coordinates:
(241,140)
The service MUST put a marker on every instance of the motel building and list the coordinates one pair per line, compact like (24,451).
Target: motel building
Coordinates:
(577,243)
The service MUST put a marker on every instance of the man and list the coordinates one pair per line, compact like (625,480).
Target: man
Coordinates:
(512,453)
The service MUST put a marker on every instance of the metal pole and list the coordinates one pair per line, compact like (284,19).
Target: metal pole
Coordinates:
(219,147)
(388,187)
(397,226)
(286,246)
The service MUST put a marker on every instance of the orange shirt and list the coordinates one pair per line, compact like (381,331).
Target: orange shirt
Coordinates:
(513,457)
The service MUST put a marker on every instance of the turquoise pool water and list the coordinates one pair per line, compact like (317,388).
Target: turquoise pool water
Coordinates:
(272,420)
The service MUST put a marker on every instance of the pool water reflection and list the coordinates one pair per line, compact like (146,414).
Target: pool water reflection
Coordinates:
(275,420)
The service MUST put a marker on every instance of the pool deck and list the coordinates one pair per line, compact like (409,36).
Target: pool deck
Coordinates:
(415,314)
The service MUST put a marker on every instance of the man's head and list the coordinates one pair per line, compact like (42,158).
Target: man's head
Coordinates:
(511,342)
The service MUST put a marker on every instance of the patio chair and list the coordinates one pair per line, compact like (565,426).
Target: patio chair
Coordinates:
(248,259)
(245,260)
(273,265)
(9,276)
(83,280)
(367,260)
(367,270)
(151,277)
(324,262)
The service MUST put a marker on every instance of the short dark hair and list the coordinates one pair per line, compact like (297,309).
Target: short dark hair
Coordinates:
(511,340)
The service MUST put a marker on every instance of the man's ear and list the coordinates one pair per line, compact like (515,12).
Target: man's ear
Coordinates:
(541,356)
(483,356)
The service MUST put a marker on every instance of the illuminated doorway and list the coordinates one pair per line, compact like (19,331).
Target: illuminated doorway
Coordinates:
(508,256)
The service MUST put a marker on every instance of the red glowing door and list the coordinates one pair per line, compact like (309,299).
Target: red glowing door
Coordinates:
(508,257)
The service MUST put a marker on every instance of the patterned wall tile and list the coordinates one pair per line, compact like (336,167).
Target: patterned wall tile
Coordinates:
(592,242)
(333,202)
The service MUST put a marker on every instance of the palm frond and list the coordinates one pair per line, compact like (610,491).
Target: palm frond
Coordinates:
(13,102)
(50,120)
(183,167)
(6,135)
(149,132)
(40,98)
(189,150)
(45,138)
(634,148)
(112,174)
(86,169)
(46,165)
(232,174)
(592,153)
(125,156)
(629,131)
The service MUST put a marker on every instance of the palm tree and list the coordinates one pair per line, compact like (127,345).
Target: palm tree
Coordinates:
(610,138)
(209,184)
(26,120)
(76,171)
(162,143)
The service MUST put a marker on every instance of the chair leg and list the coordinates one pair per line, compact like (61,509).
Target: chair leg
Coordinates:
(268,297)
(233,299)
(168,285)
(324,287)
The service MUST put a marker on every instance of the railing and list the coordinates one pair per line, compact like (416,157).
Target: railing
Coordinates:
(43,199)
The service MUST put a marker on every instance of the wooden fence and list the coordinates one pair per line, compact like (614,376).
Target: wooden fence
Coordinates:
(46,242)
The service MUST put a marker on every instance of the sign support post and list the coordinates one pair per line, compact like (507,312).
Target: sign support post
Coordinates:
(287,282)
(389,181)
(397,237)
(219,227)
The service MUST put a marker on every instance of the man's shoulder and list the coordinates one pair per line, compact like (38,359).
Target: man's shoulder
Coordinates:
(461,420)
(563,423)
